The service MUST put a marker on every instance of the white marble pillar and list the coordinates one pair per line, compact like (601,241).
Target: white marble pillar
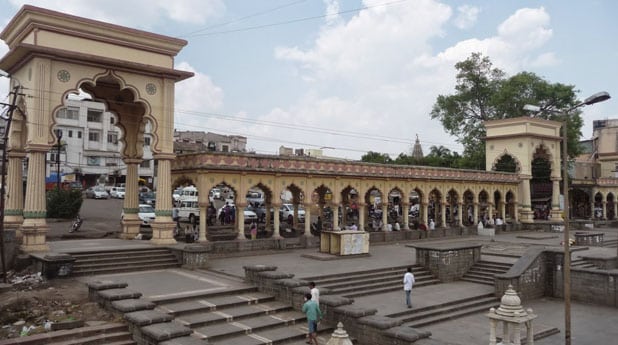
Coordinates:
(35,227)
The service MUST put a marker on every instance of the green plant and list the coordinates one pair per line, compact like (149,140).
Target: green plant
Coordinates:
(63,203)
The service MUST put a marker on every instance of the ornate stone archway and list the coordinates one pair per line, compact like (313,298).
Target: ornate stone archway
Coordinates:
(521,137)
(52,54)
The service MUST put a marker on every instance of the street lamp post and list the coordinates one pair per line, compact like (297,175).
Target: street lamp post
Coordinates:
(566,267)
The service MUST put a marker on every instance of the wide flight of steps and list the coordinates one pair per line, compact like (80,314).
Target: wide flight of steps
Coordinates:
(111,334)
(237,317)
(424,316)
(371,282)
(610,243)
(126,260)
(483,272)
(581,263)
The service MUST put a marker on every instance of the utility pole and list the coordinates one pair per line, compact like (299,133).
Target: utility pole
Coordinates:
(5,140)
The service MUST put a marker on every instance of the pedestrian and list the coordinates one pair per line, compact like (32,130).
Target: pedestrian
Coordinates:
(408,283)
(253,231)
(432,225)
(315,292)
(314,315)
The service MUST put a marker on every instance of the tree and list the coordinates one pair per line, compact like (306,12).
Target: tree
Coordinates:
(484,93)
(376,157)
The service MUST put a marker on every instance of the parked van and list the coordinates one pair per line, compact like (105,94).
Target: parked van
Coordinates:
(187,204)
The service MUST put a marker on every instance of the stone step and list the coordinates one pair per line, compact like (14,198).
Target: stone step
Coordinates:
(165,300)
(122,258)
(120,253)
(399,269)
(433,316)
(374,289)
(362,275)
(213,303)
(141,267)
(483,274)
(219,331)
(410,314)
(479,280)
(391,279)
(292,335)
(232,314)
(487,270)
(117,332)
(102,265)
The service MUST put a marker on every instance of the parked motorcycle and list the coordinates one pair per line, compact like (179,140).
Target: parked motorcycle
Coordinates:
(77,223)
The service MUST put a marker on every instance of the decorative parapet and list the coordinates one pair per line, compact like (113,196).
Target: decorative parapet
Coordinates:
(447,261)
(213,161)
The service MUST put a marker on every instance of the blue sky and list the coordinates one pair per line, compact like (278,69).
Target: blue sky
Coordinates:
(355,75)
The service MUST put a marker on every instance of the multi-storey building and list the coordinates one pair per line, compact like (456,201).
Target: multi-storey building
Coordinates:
(193,142)
(90,147)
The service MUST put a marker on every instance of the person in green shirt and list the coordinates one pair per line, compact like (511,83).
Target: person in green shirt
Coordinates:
(312,310)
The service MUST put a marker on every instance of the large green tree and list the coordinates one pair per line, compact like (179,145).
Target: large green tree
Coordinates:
(376,157)
(483,93)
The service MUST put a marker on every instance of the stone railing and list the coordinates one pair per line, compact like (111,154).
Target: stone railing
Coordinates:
(447,261)
(528,276)
(361,323)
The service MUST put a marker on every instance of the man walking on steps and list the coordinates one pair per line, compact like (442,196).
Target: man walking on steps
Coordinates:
(314,315)
(408,282)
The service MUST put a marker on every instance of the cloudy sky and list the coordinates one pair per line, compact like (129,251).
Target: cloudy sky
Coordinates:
(356,75)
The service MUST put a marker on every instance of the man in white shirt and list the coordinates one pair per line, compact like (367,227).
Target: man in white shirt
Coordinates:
(408,282)
(315,293)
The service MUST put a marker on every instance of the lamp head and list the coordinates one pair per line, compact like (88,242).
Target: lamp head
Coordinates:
(532,108)
(597,97)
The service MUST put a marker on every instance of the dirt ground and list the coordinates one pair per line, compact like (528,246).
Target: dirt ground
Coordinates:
(32,301)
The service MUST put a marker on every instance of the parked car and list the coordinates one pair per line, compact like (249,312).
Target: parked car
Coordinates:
(250,216)
(146,214)
(148,198)
(117,192)
(97,192)
(176,194)
(287,210)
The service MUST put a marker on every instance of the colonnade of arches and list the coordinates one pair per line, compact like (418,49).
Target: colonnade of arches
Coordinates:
(361,205)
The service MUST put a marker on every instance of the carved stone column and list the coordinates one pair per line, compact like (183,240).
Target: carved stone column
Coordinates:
(604,210)
(555,213)
(460,206)
(240,221)
(335,208)
(163,225)
(362,209)
(130,221)
(423,211)
(526,214)
(404,215)
(475,213)
(14,210)
(443,214)
(308,220)
(34,228)
(384,215)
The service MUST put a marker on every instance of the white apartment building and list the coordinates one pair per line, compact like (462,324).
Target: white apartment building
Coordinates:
(90,147)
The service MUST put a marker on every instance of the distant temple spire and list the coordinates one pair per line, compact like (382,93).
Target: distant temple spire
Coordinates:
(417,150)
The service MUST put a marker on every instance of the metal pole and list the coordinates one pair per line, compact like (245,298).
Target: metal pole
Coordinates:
(3,179)
(566,269)
(59,135)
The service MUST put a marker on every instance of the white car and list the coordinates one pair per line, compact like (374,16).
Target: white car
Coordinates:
(146,214)
(287,210)
(117,192)
(97,192)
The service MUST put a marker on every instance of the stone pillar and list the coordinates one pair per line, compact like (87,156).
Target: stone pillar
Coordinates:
(460,206)
(604,210)
(203,202)
(503,210)
(34,228)
(443,214)
(130,221)
(615,208)
(423,211)
(404,215)
(362,209)
(14,210)
(308,220)
(203,226)
(475,213)
(526,216)
(593,216)
(276,224)
(240,220)
(163,225)
(556,213)
(335,216)
(384,215)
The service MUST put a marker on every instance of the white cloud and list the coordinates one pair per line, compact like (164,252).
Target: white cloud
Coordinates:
(466,16)
(136,13)
(195,95)
(377,72)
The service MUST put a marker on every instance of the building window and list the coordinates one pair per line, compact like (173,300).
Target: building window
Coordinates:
(112,138)
(93,161)
(145,164)
(79,134)
(70,113)
(111,120)
(93,136)
(94,115)
(225,148)
(70,133)
(146,141)
(53,157)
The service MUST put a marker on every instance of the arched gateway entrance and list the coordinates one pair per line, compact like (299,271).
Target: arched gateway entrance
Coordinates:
(51,55)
